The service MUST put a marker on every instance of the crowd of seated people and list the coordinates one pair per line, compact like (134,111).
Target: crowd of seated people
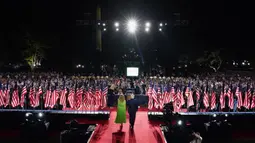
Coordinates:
(195,93)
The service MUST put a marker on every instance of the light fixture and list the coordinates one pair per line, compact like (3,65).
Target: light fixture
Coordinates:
(160,29)
(104,29)
(117,29)
(116,24)
(179,122)
(214,115)
(103,24)
(40,115)
(161,24)
(132,26)
(147,29)
(28,114)
(147,24)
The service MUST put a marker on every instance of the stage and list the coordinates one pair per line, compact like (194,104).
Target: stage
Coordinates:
(108,131)
(71,112)
(159,113)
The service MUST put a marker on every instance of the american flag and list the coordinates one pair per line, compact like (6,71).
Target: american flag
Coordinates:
(71,97)
(247,97)
(92,98)
(197,94)
(230,99)
(213,101)
(149,94)
(7,96)
(206,99)
(15,98)
(37,98)
(198,97)
(172,95)
(154,96)
(54,98)
(86,100)
(104,95)
(78,98)
(166,95)
(178,101)
(239,98)
(1,97)
(253,101)
(98,94)
(182,98)
(188,93)
(22,98)
(222,100)
(32,97)
(63,97)
(159,97)
(47,98)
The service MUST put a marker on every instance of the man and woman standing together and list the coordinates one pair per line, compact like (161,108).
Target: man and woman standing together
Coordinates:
(132,104)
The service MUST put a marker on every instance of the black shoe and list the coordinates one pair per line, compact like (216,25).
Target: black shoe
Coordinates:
(131,126)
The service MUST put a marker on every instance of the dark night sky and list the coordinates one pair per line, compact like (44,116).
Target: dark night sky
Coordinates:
(212,25)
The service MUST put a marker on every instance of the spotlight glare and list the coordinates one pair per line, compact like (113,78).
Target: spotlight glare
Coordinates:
(117,24)
(104,29)
(161,24)
(103,24)
(179,122)
(40,115)
(28,114)
(214,115)
(226,115)
(147,29)
(160,29)
(132,26)
(147,24)
(117,29)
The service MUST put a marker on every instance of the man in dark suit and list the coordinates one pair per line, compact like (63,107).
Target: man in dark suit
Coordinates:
(132,108)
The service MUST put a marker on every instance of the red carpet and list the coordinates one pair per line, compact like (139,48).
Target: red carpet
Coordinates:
(144,132)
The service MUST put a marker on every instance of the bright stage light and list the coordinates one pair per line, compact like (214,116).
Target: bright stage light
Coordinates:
(214,115)
(179,122)
(147,24)
(28,114)
(161,24)
(40,115)
(147,29)
(103,24)
(160,29)
(132,26)
(117,29)
(104,29)
(116,24)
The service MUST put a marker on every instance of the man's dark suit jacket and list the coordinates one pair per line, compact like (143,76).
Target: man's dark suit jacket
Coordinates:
(133,105)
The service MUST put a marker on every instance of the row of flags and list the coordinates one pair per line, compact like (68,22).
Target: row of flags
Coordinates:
(159,96)
(79,98)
